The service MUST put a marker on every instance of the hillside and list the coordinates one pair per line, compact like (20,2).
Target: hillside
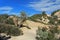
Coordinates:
(29,34)
(33,22)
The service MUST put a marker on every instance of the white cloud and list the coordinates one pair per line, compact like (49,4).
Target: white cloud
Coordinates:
(13,13)
(45,5)
(5,9)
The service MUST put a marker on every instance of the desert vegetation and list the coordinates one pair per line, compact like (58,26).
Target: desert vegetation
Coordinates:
(12,27)
(48,34)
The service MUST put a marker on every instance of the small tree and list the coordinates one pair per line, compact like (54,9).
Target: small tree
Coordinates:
(23,18)
(44,14)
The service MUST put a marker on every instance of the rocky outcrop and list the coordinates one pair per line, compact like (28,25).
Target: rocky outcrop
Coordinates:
(57,13)
(15,20)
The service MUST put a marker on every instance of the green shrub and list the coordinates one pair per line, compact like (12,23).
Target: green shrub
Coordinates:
(3,29)
(58,22)
(10,30)
(3,17)
(10,21)
(43,34)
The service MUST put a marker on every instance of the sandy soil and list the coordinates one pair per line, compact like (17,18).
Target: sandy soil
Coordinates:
(29,34)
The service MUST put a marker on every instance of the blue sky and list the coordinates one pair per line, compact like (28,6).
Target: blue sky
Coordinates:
(29,6)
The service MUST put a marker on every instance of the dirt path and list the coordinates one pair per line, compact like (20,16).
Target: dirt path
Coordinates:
(29,34)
